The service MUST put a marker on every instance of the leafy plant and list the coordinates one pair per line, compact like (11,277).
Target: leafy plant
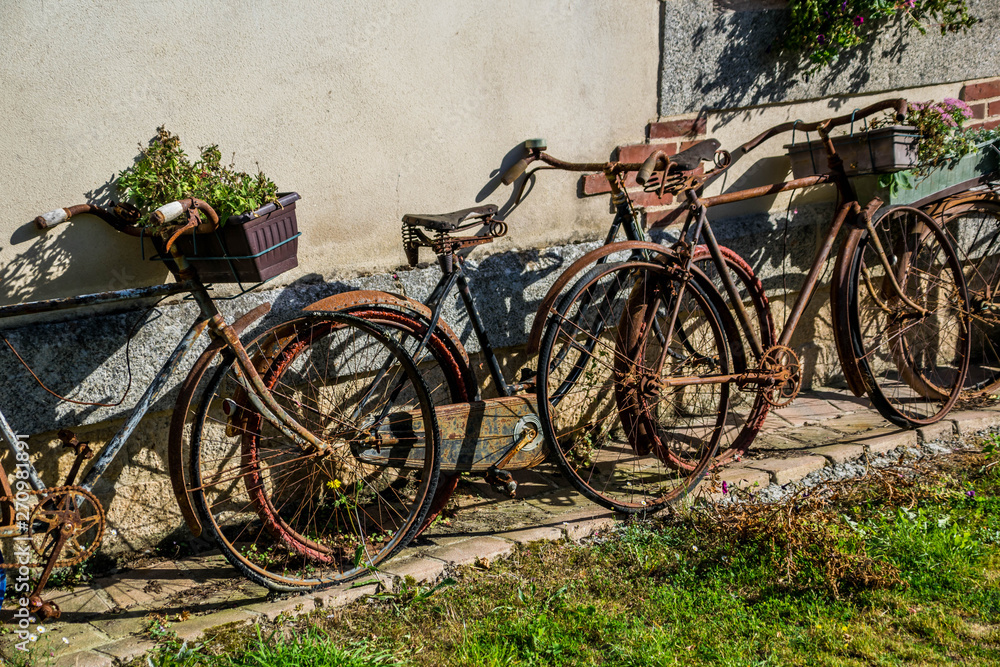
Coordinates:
(943,138)
(164,173)
(821,29)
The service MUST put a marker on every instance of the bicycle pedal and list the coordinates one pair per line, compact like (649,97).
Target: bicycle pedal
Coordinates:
(501,481)
(12,530)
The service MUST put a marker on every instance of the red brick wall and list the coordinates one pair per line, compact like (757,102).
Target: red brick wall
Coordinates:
(984,99)
(669,136)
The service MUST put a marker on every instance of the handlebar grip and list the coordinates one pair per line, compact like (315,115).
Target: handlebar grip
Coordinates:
(649,166)
(168,212)
(901,107)
(514,172)
(52,218)
(646,170)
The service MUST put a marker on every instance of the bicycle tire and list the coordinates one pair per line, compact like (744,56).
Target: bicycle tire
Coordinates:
(613,444)
(292,519)
(914,362)
(973,226)
(748,407)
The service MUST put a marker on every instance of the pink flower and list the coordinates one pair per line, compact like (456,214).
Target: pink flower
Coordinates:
(958,105)
(821,39)
(859,19)
(725,488)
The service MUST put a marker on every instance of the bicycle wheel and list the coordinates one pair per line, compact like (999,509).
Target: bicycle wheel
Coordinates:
(912,343)
(623,439)
(747,408)
(442,367)
(974,229)
(288,517)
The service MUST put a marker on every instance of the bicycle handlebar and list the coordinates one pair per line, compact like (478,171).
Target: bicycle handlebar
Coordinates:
(514,171)
(119,218)
(650,165)
(113,217)
(899,104)
(658,159)
(175,209)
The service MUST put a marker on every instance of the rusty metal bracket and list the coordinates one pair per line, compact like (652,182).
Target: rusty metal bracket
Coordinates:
(82,450)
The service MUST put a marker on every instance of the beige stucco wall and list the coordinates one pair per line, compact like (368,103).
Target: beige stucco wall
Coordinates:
(368,109)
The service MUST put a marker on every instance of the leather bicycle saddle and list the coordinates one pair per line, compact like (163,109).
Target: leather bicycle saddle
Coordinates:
(447,222)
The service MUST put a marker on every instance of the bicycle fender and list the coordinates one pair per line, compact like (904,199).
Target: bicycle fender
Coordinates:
(348,301)
(840,308)
(175,440)
(577,267)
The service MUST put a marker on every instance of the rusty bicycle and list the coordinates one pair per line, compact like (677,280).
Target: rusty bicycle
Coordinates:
(483,436)
(303,516)
(911,359)
(969,212)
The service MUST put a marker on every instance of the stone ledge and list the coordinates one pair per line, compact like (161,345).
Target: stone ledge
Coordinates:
(887,443)
(787,471)
(467,551)
(970,422)
(92,659)
(943,429)
(420,567)
(837,454)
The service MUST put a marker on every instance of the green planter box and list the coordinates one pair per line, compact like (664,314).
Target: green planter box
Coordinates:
(972,166)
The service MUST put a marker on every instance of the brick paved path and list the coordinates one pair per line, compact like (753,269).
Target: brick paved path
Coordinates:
(106,621)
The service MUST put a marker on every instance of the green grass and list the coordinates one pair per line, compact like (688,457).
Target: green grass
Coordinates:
(893,570)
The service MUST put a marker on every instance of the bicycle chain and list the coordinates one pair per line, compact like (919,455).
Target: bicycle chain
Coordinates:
(54,492)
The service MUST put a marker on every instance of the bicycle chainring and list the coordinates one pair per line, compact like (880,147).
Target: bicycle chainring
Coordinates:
(783,364)
(66,508)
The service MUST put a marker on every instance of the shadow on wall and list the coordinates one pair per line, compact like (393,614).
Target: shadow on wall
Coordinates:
(44,261)
(725,58)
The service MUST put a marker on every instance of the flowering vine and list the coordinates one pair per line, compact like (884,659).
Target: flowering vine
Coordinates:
(819,30)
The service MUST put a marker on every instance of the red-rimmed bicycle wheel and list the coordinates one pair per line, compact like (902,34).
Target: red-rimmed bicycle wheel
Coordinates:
(747,407)
(442,367)
(290,517)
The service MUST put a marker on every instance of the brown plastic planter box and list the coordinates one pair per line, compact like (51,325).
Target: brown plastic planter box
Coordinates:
(880,151)
(249,248)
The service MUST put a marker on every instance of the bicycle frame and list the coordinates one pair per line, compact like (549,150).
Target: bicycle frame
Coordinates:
(453,273)
(210,318)
(849,206)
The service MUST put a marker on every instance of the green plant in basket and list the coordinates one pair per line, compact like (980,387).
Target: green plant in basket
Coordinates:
(943,138)
(164,173)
